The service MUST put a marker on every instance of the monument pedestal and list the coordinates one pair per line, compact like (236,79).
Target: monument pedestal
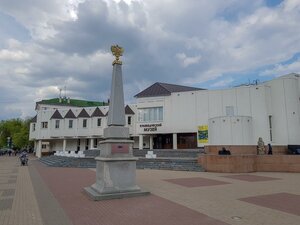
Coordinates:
(116,175)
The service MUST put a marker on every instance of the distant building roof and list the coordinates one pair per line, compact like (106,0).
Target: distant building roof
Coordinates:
(70,115)
(163,89)
(56,115)
(71,102)
(83,114)
(128,110)
(34,119)
(97,113)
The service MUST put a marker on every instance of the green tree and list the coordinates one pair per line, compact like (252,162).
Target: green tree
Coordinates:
(16,129)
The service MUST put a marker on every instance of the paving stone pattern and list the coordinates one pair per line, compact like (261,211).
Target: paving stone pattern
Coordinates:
(147,210)
(17,201)
(42,195)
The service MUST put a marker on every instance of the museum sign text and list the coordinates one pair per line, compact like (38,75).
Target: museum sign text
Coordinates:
(150,127)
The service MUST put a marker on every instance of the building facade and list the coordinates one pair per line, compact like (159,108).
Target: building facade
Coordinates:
(168,116)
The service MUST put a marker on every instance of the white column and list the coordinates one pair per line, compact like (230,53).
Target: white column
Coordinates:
(38,152)
(151,142)
(64,145)
(141,142)
(174,141)
(35,143)
(92,143)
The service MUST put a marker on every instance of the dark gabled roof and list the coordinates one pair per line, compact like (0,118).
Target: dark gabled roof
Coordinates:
(163,89)
(97,113)
(56,115)
(34,119)
(70,115)
(83,114)
(128,110)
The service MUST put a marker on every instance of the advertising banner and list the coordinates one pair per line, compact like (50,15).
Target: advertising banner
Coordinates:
(203,134)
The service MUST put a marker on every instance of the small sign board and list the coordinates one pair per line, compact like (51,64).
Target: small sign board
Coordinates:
(119,148)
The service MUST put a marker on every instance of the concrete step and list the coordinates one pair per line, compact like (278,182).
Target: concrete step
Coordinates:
(170,153)
(184,164)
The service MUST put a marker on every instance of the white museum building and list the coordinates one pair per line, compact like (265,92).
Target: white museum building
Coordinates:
(169,116)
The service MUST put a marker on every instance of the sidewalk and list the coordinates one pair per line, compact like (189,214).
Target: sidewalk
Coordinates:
(18,203)
(38,194)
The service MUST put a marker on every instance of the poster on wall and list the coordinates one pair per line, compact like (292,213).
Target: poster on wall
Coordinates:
(203,134)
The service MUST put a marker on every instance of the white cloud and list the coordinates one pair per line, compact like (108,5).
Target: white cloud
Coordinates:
(223,83)
(186,61)
(9,55)
(281,69)
(191,42)
(21,71)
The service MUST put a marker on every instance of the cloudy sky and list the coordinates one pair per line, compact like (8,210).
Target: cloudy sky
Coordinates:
(46,45)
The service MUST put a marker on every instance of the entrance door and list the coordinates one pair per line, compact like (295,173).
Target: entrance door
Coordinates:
(163,141)
(186,140)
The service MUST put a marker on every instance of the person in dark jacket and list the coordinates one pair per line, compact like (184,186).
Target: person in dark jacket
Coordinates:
(270,152)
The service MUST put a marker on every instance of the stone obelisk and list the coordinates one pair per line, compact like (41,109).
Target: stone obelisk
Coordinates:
(116,166)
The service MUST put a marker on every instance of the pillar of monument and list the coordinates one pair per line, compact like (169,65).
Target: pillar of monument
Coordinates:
(116,166)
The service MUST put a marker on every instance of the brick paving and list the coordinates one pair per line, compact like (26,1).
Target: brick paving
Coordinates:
(18,205)
(67,186)
(38,194)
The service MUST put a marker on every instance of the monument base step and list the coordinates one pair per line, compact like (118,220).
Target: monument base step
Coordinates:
(96,196)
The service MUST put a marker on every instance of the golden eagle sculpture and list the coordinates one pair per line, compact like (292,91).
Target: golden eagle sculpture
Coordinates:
(117,51)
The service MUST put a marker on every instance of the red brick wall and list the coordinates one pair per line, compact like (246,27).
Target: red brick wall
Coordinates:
(243,149)
(250,163)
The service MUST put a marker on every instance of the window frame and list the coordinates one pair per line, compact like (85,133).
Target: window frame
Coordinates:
(70,124)
(57,124)
(129,120)
(44,125)
(84,123)
(151,114)
(99,123)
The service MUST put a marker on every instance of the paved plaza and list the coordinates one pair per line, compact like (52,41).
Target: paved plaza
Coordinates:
(37,194)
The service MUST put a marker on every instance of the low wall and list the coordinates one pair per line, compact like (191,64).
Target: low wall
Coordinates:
(249,163)
(278,163)
(244,149)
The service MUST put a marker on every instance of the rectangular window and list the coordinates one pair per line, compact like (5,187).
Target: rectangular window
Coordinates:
(87,142)
(78,145)
(56,124)
(95,143)
(33,127)
(129,120)
(70,123)
(84,122)
(229,111)
(45,125)
(44,146)
(154,114)
(99,122)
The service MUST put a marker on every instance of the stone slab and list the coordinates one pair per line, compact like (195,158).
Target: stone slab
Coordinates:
(250,178)
(195,182)
(116,132)
(284,202)
(96,196)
